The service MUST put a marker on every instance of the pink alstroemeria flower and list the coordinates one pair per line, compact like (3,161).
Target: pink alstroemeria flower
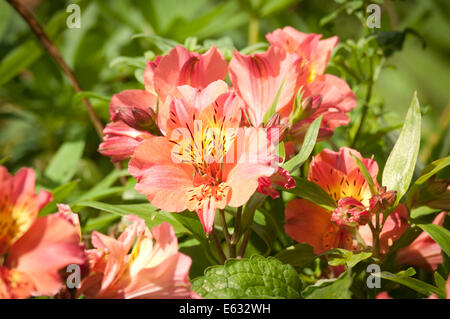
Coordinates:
(205,161)
(339,175)
(423,252)
(136,110)
(337,97)
(154,269)
(37,248)
(257,78)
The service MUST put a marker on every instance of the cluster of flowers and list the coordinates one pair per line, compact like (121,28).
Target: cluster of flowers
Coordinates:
(199,144)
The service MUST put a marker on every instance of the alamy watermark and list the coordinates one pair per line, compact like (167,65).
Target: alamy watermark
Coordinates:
(374,18)
(373,281)
(73,21)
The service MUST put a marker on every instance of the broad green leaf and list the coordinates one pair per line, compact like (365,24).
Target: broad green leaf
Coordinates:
(346,257)
(365,174)
(78,98)
(191,222)
(330,288)
(99,222)
(429,171)
(63,165)
(404,279)
(163,44)
(254,278)
(150,214)
(312,192)
(272,6)
(307,146)
(439,234)
(104,186)
(399,168)
(255,48)
(196,251)
(135,62)
(59,195)
(417,212)
(297,256)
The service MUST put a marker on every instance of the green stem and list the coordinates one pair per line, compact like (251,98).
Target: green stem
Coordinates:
(364,113)
(253,30)
(244,243)
(226,233)
(218,247)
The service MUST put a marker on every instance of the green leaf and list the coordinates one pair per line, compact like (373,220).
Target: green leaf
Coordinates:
(439,234)
(190,221)
(421,211)
(307,146)
(255,48)
(63,165)
(134,62)
(312,192)
(429,171)
(27,53)
(99,222)
(254,278)
(270,112)
(404,279)
(297,256)
(274,6)
(399,168)
(346,257)
(150,214)
(163,44)
(59,195)
(103,187)
(330,288)
(248,212)
(365,174)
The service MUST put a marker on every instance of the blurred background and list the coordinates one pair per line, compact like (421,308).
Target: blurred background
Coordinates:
(39,110)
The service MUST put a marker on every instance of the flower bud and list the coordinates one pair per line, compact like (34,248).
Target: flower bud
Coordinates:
(382,201)
(350,212)
(304,108)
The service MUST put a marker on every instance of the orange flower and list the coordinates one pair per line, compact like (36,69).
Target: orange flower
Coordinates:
(423,252)
(339,175)
(153,269)
(37,248)
(205,161)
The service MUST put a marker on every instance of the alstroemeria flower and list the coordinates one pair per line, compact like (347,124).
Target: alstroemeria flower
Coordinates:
(153,269)
(257,78)
(423,252)
(337,97)
(37,248)
(307,45)
(136,110)
(205,161)
(310,223)
(182,67)
(281,178)
(394,226)
(120,140)
(339,175)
